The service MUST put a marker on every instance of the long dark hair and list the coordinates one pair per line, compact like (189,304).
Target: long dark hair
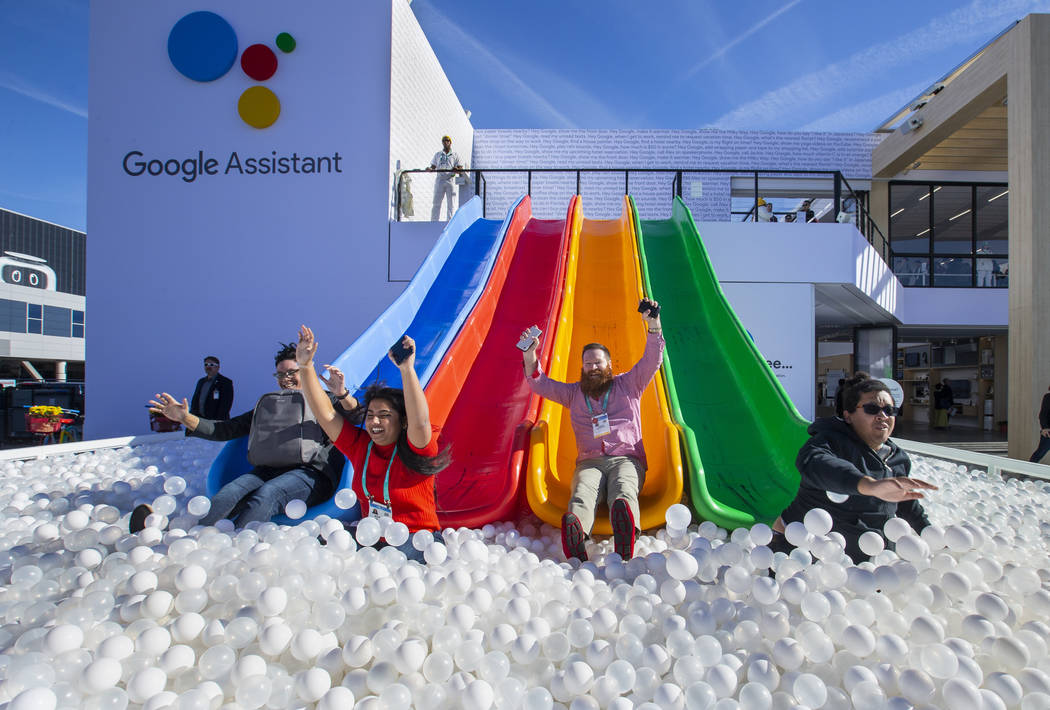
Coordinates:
(857,386)
(427,465)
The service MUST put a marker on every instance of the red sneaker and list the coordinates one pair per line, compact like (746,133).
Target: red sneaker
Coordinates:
(572,538)
(623,528)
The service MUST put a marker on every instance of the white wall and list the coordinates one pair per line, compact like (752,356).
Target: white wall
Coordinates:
(779,317)
(423,108)
(230,264)
(849,153)
(955,306)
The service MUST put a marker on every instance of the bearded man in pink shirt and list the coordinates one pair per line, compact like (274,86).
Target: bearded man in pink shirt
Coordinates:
(605,411)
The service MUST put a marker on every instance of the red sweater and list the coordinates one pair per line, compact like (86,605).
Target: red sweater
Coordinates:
(412,498)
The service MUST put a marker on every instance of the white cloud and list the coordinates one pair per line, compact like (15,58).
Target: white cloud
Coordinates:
(859,116)
(961,26)
(20,86)
(724,49)
(441,29)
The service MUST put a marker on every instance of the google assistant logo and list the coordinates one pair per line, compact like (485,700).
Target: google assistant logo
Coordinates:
(202,46)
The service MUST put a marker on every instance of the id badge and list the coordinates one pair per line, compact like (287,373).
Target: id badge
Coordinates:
(215,394)
(600,424)
(379,510)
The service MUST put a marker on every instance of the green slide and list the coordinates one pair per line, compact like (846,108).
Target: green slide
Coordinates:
(741,431)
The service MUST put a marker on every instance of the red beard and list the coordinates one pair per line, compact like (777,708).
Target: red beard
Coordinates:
(596,383)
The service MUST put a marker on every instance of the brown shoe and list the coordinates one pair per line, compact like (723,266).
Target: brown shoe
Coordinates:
(572,538)
(623,528)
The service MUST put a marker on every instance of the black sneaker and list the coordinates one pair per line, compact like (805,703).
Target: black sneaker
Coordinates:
(572,538)
(623,529)
(137,523)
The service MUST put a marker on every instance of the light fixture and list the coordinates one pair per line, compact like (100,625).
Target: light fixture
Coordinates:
(899,211)
(922,232)
(959,215)
(998,196)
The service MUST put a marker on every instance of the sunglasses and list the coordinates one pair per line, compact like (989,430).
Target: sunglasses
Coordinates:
(286,375)
(871,408)
(211,364)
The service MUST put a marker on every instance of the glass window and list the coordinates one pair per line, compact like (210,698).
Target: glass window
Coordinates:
(35,310)
(912,270)
(78,331)
(910,218)
(78,317)
(953,272)
(993,212)
(952,219)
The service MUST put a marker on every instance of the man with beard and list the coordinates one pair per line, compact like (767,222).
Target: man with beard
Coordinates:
(605,411)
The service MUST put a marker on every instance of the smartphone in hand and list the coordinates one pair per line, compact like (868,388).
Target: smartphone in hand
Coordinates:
(644,307)
(400,351)
(525,343)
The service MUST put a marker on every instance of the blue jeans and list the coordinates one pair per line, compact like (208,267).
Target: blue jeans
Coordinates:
(252,497)
(1042,450)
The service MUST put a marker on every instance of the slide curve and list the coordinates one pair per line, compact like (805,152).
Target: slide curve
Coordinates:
(478,395)
(741,430)
(602,288)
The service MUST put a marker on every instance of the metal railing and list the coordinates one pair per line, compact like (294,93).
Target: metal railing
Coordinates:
(999,465)
(841,190)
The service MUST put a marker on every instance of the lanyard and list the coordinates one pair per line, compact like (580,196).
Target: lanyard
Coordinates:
(605,402)
(386,481)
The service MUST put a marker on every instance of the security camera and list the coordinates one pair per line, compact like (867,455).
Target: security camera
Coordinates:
(913,123)
(918,105)
(936,89)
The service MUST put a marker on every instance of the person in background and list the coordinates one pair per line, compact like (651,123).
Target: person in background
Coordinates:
(444,159)
(943,401)
(213,395)
(854,456)
(605,411)
(1044,430)
(765,212)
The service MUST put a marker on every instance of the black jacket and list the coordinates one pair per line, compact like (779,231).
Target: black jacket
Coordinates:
(1044,412)
(835,459)
(215,407)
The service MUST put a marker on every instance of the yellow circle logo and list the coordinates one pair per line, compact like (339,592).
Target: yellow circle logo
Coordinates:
(259,107)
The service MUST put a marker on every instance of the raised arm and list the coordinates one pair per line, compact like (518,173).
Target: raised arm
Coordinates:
(316,398)
(415,401)
(642,373)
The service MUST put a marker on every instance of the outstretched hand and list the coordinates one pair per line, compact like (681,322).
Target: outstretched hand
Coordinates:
(410,360)
(894,490)
(651,321)
(336,381)
(306,348)
(167,406)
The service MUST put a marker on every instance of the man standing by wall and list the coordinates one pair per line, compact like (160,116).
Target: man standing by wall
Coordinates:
(444,159)
(605,411)
(213,395)
(1044,430)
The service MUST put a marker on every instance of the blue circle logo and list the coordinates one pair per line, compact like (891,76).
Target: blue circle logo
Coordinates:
(202,46)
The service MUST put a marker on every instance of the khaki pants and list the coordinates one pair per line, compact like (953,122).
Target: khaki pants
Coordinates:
(605,479)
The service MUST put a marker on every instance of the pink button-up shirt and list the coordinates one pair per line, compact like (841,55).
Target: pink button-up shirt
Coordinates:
(624,410)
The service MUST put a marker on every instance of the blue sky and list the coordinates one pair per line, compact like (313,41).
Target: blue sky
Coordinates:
(751,64)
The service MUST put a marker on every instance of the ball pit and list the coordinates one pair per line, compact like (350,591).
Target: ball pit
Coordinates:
(182,616)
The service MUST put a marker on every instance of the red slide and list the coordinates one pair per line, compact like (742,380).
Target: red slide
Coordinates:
(478,394)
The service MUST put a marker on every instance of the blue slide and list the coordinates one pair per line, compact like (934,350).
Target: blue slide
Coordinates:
(431,310)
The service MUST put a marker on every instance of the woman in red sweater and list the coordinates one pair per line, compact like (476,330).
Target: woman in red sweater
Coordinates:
(397,448)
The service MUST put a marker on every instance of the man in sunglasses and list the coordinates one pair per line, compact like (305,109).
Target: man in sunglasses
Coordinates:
(213,396)
(292,457)
(851,469)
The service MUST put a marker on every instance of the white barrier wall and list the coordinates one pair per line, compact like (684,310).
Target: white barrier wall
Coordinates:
(245,232)
(779,316)
(423,108)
